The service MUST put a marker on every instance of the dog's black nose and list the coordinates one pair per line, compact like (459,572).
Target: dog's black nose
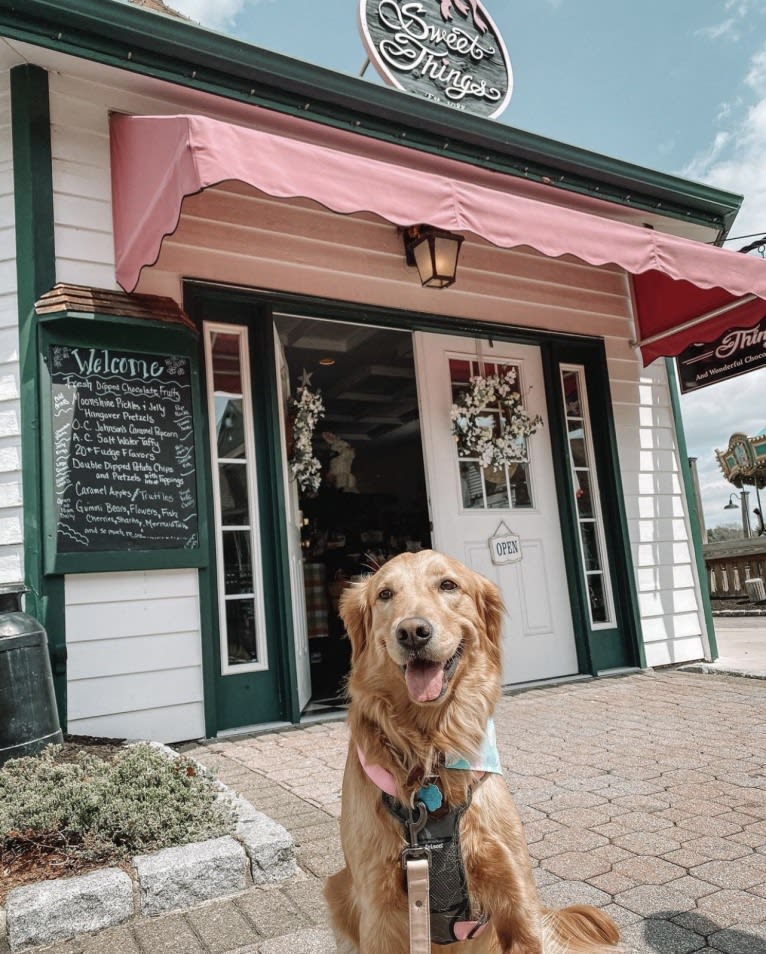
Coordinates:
(414,633)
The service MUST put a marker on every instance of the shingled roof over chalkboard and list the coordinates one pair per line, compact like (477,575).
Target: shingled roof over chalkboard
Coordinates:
(100,301)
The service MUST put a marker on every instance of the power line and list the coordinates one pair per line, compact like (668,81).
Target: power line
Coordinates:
(738,238)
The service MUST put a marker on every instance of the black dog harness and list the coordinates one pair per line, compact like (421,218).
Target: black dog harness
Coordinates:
(432,834)
(436,837)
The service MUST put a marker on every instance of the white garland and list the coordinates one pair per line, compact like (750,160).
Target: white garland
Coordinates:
(474,429)
(304,466)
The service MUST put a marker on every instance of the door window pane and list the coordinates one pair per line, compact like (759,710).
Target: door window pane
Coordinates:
(230,432)
(581,479)
(596,598)
(242,645)
(518,475)
(496,482)
(237,562)
(471,485)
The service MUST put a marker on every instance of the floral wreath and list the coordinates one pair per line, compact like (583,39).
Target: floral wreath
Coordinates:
(305,469)
(475,431)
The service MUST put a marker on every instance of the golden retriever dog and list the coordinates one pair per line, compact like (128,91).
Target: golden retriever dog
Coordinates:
(425,635)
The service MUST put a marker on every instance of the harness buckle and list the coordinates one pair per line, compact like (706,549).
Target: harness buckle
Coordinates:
(417,816)
(415,853)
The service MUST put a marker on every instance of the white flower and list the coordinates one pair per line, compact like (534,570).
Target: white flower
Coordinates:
(475,430)
(305,469)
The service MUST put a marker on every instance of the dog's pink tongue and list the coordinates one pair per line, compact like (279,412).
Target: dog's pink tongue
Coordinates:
(424,680)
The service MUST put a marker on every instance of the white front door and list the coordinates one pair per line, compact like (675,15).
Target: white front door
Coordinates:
(294,552)
(470,504)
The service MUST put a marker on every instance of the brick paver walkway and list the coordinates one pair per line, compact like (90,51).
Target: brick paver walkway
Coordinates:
(645,795)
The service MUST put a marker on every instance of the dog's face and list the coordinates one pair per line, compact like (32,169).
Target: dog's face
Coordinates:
(427,621)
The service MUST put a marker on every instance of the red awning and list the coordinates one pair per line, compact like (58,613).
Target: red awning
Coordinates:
(685,291)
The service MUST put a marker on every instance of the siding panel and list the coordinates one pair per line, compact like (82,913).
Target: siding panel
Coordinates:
(669,600)
(11,514)
(135,651)
(174,723)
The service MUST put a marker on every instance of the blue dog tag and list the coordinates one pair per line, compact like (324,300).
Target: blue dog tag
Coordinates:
(431,797)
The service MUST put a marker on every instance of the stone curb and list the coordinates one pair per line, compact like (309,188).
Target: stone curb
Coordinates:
(261,852)
(182,877)
(56,910)
(740,612)
(713,669)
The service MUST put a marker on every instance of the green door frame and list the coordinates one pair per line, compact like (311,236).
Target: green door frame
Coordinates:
(214,304)
(556,348)
(602,649)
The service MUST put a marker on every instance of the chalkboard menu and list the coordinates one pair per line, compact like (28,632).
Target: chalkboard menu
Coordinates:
(123,450)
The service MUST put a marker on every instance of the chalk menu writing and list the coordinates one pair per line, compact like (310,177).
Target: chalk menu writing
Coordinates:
(123,450)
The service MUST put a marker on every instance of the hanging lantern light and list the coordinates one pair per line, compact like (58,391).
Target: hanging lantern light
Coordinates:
(434,252)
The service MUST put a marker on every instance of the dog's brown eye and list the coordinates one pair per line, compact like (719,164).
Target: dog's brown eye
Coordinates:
(448,585)
(385,594)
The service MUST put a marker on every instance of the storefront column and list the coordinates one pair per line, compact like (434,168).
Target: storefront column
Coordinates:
(35,275)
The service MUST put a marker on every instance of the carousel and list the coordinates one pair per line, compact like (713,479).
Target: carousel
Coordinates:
(743,464)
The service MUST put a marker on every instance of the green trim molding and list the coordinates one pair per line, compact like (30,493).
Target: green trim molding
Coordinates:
(183,53)
(620,646)
(691,503)
(35,275)
(274,691)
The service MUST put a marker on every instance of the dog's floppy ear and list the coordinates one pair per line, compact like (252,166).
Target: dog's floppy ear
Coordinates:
(489,604)
(355,612)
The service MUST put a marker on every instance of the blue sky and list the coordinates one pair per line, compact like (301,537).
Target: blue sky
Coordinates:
(675,85)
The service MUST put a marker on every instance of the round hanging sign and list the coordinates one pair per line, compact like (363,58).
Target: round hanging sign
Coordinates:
(448,51)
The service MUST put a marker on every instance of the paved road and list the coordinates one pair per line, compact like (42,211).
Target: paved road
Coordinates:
(741,643)
(644,794)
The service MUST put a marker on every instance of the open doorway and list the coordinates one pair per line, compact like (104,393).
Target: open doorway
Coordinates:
(372,502)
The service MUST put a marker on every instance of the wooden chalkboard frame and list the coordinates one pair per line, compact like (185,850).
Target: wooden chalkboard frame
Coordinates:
(135,335)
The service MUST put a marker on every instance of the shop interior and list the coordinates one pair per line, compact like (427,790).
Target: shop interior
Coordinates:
(372,501)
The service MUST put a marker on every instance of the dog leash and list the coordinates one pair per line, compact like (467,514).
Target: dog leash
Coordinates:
(416,861)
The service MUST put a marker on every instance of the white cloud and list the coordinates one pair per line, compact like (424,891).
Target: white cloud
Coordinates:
(727,110)
(724,29)
(741,8)
(215,14)
(732,27)
(702,165)
(756,76)
(735,161)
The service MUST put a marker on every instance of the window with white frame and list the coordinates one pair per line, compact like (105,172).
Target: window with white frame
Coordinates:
(232,449)
(587,498)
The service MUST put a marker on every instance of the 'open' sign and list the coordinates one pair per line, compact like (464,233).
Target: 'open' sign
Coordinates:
(505,546)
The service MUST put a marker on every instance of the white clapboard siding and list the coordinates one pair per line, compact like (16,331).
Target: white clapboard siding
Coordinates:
(135,663)
(11,520)
(234,234)
(175,721)
(670,608)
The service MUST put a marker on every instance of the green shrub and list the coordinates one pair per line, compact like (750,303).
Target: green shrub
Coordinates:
(99,810)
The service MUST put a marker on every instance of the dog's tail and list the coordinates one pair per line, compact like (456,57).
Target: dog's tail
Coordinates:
(580,929)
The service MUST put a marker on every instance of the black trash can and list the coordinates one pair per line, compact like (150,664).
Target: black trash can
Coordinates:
(28,716)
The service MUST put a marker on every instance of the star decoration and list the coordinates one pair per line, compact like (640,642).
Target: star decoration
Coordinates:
(305,378)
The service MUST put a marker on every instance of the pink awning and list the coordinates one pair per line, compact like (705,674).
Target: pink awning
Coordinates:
(685,291)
